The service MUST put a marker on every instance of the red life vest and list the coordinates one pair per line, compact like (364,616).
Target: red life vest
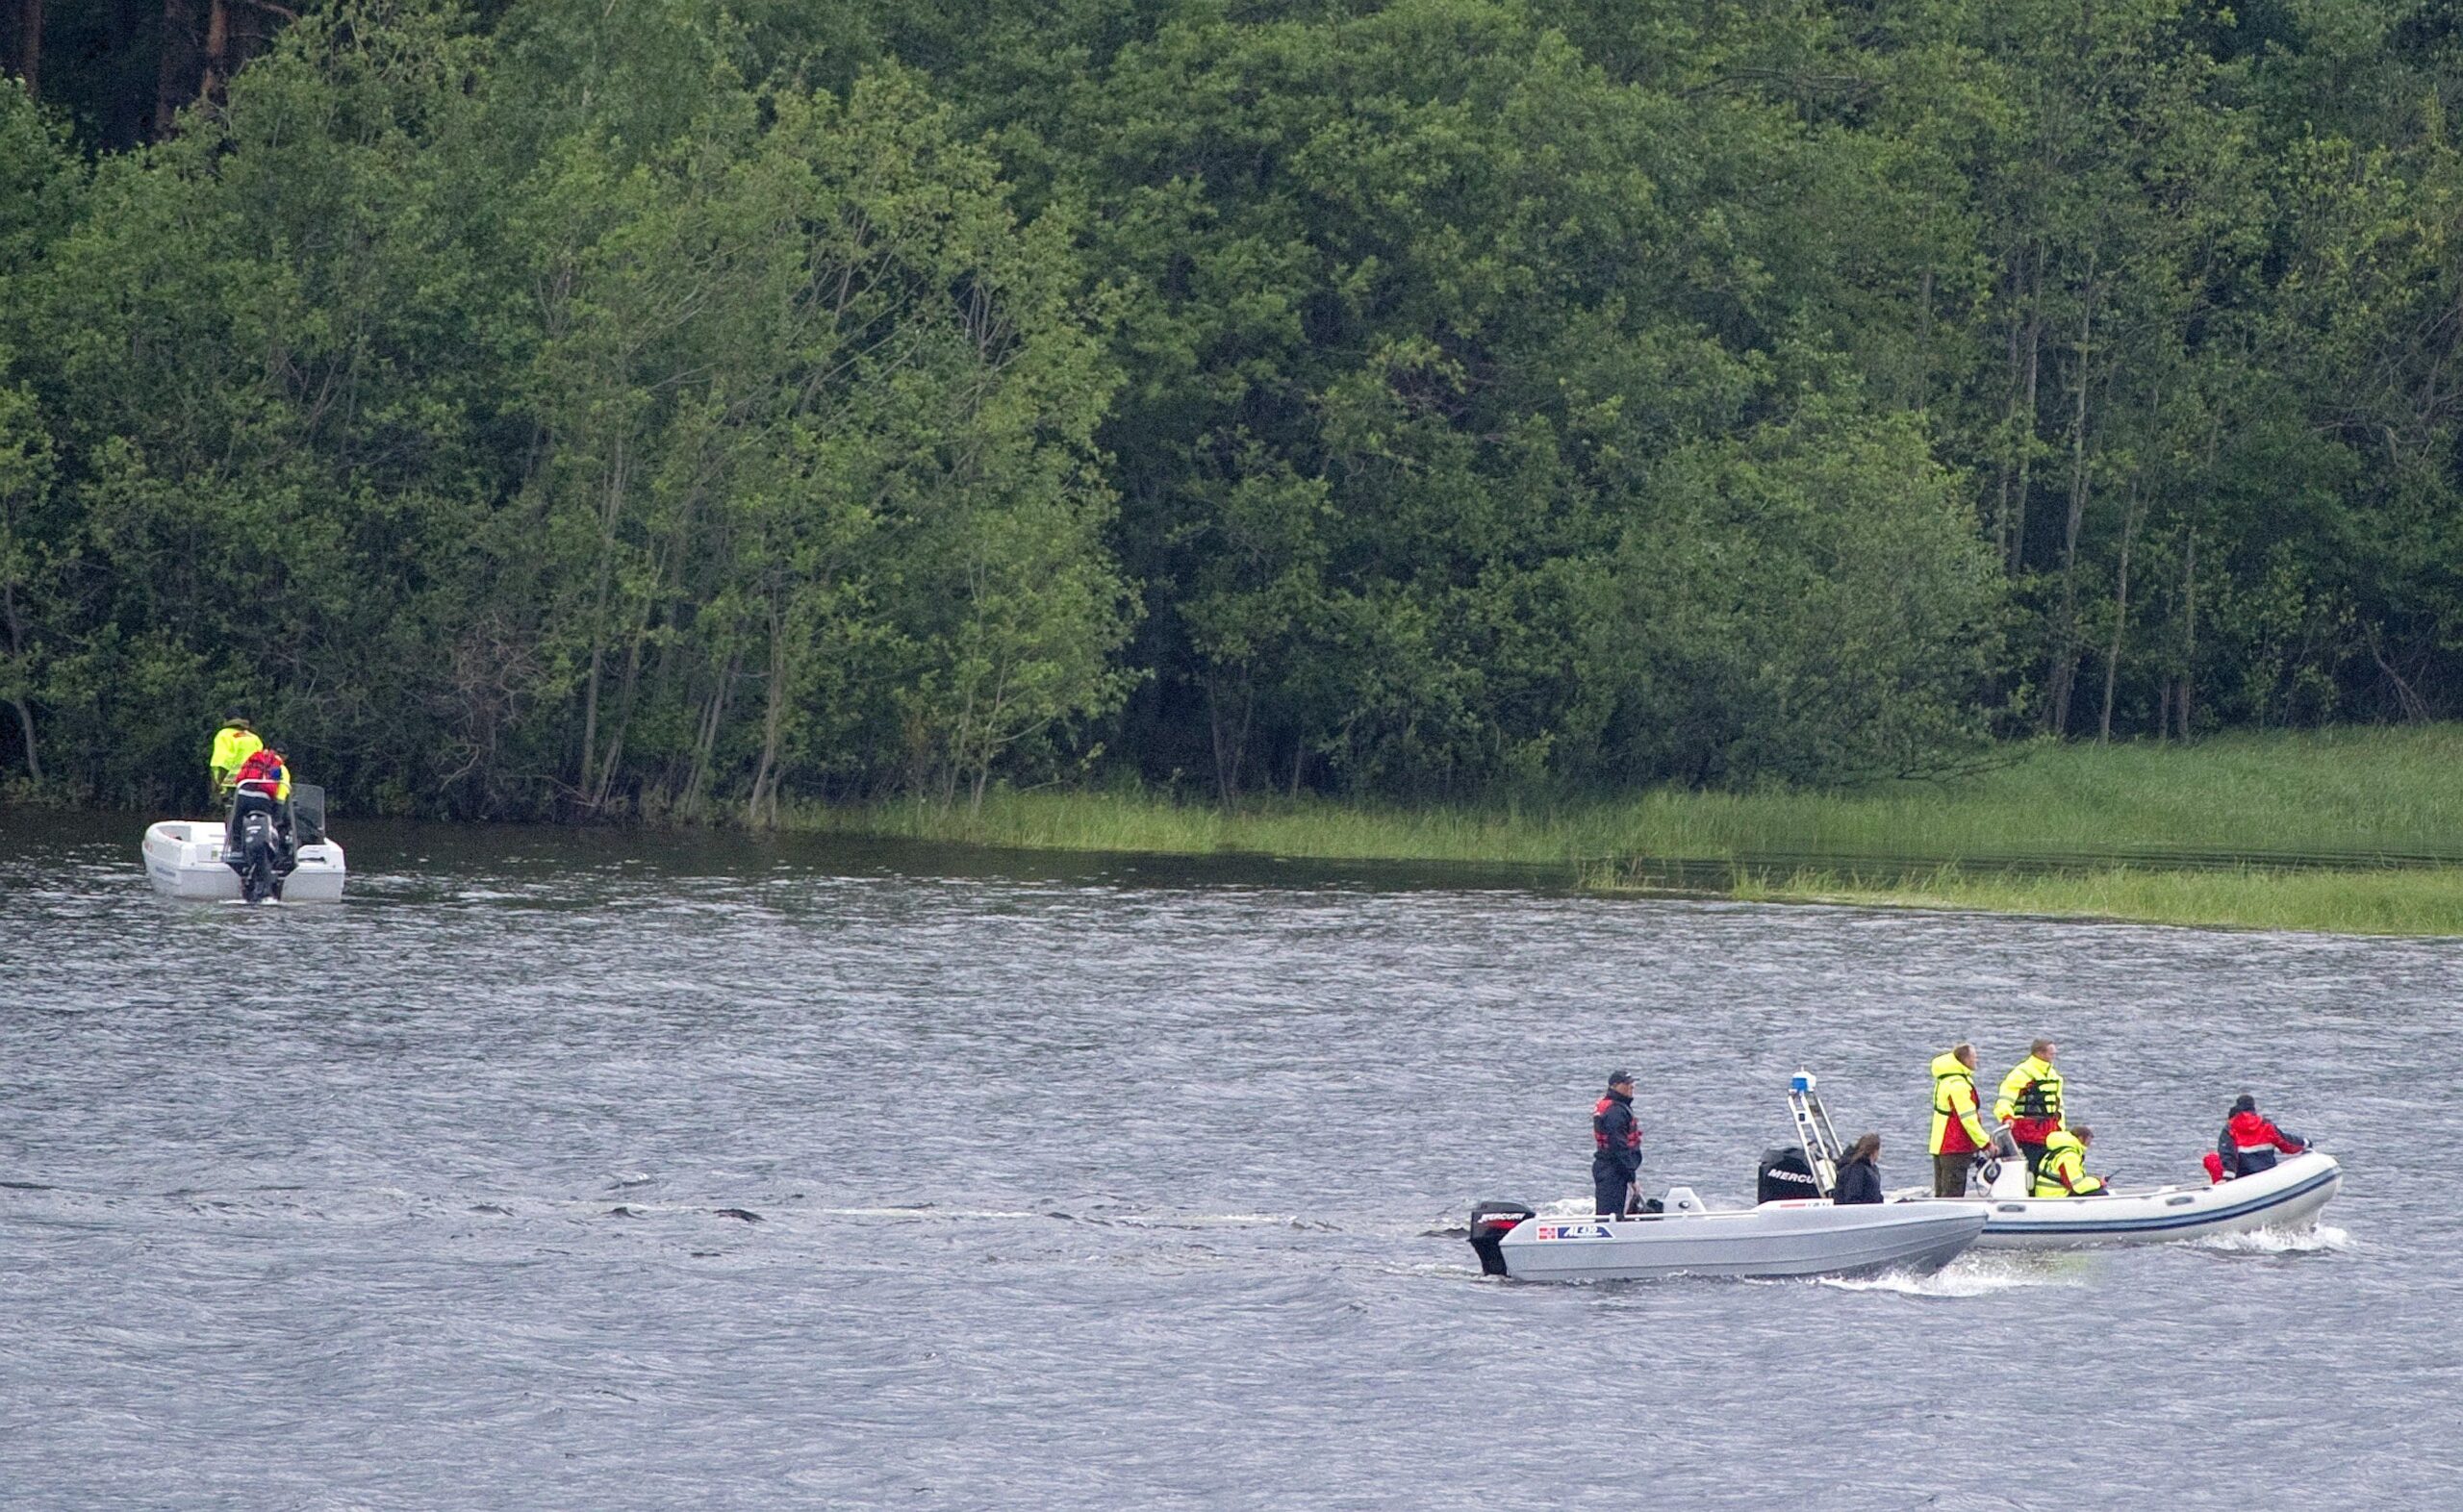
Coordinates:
(262,766)
(1633,1136)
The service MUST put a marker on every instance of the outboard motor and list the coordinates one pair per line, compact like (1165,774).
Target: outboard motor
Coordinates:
(253,844)
(1785,1175)
(1491,1222)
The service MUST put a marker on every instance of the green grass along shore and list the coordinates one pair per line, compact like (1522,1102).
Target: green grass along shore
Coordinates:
(2344,830)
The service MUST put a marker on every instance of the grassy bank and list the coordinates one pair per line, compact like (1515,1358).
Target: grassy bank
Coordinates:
(2423,901)
(2123,831)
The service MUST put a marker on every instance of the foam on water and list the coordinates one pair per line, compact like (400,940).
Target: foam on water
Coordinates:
(1970,1275)
(2322,1239)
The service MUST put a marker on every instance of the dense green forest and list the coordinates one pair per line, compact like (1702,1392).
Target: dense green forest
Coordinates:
(598,407)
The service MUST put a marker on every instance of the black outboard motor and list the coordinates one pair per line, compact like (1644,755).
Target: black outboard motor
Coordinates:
(1491,1222)
(1784,1174)
(253,844)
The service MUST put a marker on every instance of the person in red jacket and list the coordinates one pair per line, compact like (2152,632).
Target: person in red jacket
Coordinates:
(2252,1140)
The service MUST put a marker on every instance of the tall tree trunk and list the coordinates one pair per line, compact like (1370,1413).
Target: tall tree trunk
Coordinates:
(217,49)
(611,506)
(176,66)
(29,59)
(2017,556)
(1230,745)
(624,700)
(2120,610)
(18,653)
(2065,669)
(772,722)
(705,747)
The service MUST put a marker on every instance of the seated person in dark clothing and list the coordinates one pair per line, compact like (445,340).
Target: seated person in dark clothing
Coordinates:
(1860,1177)
(2250,1140)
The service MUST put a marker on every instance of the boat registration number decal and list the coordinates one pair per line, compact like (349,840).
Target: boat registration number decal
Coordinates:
(1573,1230)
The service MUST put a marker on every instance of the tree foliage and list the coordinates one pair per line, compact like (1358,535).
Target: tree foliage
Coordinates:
(566,407)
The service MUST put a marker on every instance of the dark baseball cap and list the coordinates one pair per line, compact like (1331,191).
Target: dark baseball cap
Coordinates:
(1618,1078)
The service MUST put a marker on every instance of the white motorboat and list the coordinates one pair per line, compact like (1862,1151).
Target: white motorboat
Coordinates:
(194,859)
(2287,1197)
(1796,1237)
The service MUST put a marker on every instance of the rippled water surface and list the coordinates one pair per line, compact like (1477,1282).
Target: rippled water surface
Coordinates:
(585,1170)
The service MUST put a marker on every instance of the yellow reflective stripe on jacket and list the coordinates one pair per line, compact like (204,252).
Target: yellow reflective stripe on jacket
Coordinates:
(2062,1172)
(1947,1086)
(2031,1091)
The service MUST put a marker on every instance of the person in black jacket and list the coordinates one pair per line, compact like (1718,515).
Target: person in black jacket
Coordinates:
(1617,1156)
(1860,1175)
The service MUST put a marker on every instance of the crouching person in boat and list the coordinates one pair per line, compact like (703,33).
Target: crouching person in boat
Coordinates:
(2250,1140)
(2062,1172)
(263,783)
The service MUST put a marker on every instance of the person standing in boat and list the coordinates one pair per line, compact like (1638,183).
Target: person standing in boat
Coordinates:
(2250,1140)
(1860,1172)
(2064,1172)
(232,743)
(1617,1156)
(2030,1103)
(1958,1125)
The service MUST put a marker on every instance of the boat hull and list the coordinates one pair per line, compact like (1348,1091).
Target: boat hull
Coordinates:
(2288,1196)
(1776,1239)
(183,860)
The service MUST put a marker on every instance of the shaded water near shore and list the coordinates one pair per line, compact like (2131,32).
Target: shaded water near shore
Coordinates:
(587,1169)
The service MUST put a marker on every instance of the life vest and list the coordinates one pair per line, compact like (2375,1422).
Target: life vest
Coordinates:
(262,765)
(2063,1169)
(2030,1100)
(1952,1080)
(1633,1136)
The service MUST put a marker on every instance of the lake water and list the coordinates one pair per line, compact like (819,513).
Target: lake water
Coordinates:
(559,1169)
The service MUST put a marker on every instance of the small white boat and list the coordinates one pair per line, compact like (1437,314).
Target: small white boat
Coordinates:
(1797,1237)
(2287,1197)
(183,860)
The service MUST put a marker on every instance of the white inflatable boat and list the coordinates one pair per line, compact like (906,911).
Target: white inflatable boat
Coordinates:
(1794,1238)
(183,860)
(2287,1197)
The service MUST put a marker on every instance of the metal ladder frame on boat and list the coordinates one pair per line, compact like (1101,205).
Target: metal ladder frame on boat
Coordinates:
(1814,1133)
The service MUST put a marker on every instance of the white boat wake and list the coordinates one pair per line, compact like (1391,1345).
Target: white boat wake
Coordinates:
(2319,1239)
(1970,1275)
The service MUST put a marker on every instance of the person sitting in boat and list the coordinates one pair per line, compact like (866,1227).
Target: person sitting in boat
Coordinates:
(1617,1156)
(262,780)
(232,743)
(2250,1140)
(2064,1170)
(2030,1103)
(1860,1172)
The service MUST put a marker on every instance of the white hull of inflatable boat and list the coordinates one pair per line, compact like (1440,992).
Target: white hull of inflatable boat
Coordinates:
(183,860)
(2288,1196)
(1797,1238)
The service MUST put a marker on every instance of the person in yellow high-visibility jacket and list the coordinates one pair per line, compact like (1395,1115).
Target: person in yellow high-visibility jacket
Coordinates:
(2064,1172)
(1958,1131)
(2030,1102)
(232,743)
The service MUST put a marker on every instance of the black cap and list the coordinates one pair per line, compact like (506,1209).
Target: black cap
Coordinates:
(1617,1077)
(2245,1104)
